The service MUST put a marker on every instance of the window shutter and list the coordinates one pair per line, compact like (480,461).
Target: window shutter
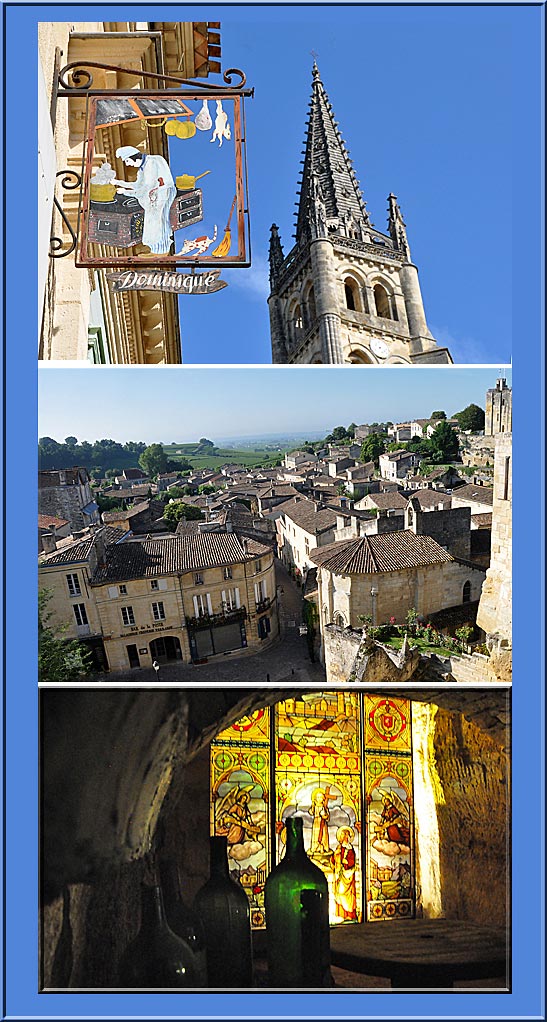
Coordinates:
(257,592)
(209,604)
(223,597)
(196,606)
(112,592)
(238,604)
(162,583)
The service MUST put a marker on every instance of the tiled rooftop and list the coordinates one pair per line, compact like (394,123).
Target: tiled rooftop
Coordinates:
(304,514)
(175,555)
(391,551)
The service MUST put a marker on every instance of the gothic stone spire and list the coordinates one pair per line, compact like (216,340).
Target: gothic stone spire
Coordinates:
(276,254)
(327,164)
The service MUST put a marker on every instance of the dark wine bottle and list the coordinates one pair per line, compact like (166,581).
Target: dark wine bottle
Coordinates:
(182,919)
(157,957)
(297,917)
(224,910)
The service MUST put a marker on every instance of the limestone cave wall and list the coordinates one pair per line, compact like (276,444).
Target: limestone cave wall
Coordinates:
(473,820)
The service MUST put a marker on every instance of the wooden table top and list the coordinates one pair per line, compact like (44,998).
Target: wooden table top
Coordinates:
(421,951)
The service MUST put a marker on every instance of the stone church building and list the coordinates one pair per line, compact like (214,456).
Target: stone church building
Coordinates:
(345,292)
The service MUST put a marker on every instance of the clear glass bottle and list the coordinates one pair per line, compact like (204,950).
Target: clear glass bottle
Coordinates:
(181,918)
(224,910)
(157,957)
(296,899)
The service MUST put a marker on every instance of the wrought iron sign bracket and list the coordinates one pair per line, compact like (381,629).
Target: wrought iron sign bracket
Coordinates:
(57,249)
(74,80)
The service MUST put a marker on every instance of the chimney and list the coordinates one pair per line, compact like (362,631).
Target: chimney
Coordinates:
(100,549)
(49,542)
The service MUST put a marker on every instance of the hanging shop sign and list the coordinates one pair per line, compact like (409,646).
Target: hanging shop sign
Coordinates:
(204,283)
(163,181)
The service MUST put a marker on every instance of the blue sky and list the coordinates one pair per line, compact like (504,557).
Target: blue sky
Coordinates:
(440,105)
(169,404)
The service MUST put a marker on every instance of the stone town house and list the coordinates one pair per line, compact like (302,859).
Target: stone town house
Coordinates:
(386,575)
(184,597)
(346,292)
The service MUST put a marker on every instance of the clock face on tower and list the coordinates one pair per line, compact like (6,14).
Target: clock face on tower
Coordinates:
(379,347)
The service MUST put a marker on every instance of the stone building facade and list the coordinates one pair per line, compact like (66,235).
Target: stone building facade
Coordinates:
(346,292)
(498,416)
(185,597)
(80,317)
(67,493)
(495,608)
(386,575)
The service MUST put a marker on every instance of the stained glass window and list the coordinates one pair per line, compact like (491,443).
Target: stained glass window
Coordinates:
(317,776)
(389,814)
(322,756)
(240,794)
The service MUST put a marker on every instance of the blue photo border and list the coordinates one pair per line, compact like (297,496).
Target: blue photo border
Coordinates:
(20,705)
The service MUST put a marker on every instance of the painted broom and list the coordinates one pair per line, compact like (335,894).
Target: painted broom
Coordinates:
(224,246)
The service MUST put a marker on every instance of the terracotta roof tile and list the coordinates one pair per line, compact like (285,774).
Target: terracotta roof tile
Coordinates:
(46,521)
(482,494)
(386,552)
(304,514)
(175,555)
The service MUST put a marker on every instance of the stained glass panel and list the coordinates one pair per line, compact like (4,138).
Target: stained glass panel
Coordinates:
(240,798)
(318,777)
(390,883)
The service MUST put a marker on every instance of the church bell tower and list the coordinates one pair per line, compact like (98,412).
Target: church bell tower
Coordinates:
(345,292)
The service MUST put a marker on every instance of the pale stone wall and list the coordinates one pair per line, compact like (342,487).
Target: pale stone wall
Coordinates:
(140,596)
(495,608)
(296,543)
(60,604)
(428,589)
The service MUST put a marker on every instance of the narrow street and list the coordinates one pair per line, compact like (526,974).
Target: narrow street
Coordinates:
(285,660)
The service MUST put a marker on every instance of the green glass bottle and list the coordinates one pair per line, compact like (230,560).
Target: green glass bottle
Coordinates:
(157,957)
(297,917)
(224,910)
(181,918)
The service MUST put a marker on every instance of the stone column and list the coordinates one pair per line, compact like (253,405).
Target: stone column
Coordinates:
(417,325)
(326,300)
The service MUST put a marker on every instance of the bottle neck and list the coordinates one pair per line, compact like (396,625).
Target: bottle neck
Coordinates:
(294,847)
(153,911)
(219,856)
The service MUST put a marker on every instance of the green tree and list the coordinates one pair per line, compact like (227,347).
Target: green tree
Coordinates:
(443,443)
(174,512)
(58,659)
(372,447)
(154,460)
(438,415)
(207,488)
(351,430)
(471,418)
(339,433)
